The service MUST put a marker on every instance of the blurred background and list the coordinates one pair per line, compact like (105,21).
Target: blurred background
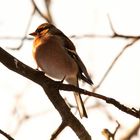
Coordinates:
(101,31)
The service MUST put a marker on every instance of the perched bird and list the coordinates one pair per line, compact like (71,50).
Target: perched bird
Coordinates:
(56,55)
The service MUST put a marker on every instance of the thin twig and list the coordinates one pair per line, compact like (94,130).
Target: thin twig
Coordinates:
(15,38)
(130,111)
(109,135)
(116,34)
(112,65)
(40,13)
(58,131)
(6,135)
(114,62)
(48,4)
(132,133)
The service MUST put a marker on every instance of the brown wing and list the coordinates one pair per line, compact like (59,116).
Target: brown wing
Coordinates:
(69,46)
(82,68)
(67,42)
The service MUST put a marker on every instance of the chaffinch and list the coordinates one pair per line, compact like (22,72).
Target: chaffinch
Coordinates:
(56,55)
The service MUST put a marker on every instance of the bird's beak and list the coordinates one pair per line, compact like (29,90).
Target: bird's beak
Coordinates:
(33,34)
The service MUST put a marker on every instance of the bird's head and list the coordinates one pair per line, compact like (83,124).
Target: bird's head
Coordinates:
(45,28)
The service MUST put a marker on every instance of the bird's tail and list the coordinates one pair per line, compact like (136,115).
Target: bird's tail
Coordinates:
(80,105)
(78,98)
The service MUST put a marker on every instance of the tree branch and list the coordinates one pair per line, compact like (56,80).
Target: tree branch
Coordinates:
(133,132)
(58,130)
(109,135)
(46,17)
(115,60)
(131,111)
(6,135)
(51,89)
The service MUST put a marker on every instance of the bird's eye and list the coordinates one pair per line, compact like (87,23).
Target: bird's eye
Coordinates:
(38,30)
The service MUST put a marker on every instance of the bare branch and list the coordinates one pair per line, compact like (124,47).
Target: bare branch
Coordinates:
(40,13)
(58,131)
(38,77)
(51,89)
(130,111)
(109,135)
(115,34)
(48,4)
(6,135)
(114,61)
(15,38)
(132,133)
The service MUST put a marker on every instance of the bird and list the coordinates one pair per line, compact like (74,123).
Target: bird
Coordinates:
(55,54)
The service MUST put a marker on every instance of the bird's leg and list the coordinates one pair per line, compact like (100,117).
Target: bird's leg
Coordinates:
(37,69)
(63,79)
